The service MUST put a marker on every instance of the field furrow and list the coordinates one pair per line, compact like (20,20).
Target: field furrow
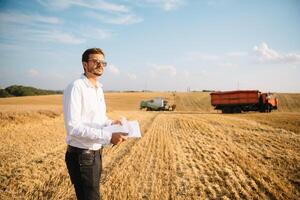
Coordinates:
(210,159)
(192,153)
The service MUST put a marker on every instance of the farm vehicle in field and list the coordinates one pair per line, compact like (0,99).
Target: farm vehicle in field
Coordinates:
(243,100)
(157,104)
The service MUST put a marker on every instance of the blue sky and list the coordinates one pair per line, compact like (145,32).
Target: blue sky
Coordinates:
(153,44)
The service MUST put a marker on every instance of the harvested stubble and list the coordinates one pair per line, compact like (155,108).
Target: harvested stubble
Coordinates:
(193,153)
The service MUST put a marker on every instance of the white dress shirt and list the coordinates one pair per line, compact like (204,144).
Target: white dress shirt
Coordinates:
(85,115)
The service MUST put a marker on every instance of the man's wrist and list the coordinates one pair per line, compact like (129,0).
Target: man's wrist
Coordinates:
(107,136)
(109,122)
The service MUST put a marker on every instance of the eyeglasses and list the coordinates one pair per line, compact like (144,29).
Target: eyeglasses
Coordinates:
(98,62)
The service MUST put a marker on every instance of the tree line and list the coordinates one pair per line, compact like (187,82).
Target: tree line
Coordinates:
(20,90)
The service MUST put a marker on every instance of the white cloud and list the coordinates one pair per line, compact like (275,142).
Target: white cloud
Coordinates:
(266,54)
(95,33)
(33,72)
(120,19)
(57,36)
(262,53)
(131,76)
(166,5)
(21,28)
(26,35)
(34,27)
(92,4)
(292,57)
(163,70)
(110,6)
(171,4)
(56,4)
(21,18)
(113,69)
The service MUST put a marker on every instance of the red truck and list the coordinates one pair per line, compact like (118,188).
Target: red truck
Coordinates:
(243,100)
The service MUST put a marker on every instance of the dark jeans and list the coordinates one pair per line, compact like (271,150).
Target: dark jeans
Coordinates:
(85,169)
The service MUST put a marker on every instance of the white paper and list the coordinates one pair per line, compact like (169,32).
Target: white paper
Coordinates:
(134,129)
(130,127)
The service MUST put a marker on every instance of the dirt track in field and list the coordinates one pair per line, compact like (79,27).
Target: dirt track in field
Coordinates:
(193,153)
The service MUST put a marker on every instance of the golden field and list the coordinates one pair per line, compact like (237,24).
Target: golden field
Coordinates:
(192,153)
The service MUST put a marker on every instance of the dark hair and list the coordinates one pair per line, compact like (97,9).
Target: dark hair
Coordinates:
(86,54)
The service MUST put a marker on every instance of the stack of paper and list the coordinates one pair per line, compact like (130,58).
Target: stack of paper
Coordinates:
(130,127)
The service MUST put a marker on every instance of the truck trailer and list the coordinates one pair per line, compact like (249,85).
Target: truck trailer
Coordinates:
(243,100)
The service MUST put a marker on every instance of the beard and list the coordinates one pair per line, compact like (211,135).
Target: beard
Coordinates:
(97,71)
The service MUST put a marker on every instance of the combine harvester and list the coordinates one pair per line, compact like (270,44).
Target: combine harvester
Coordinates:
(157,104)
(243,100)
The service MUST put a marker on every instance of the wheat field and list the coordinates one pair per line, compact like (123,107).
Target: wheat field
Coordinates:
(192,153)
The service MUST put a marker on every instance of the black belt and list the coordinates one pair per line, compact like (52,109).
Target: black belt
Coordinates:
(72,149)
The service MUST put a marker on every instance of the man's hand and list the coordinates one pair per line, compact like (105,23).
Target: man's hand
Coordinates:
(118,138)
(114,122)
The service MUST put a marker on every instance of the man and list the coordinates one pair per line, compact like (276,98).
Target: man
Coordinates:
(85,117)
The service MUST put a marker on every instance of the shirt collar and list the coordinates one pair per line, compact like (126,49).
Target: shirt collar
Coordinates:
(88,83)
